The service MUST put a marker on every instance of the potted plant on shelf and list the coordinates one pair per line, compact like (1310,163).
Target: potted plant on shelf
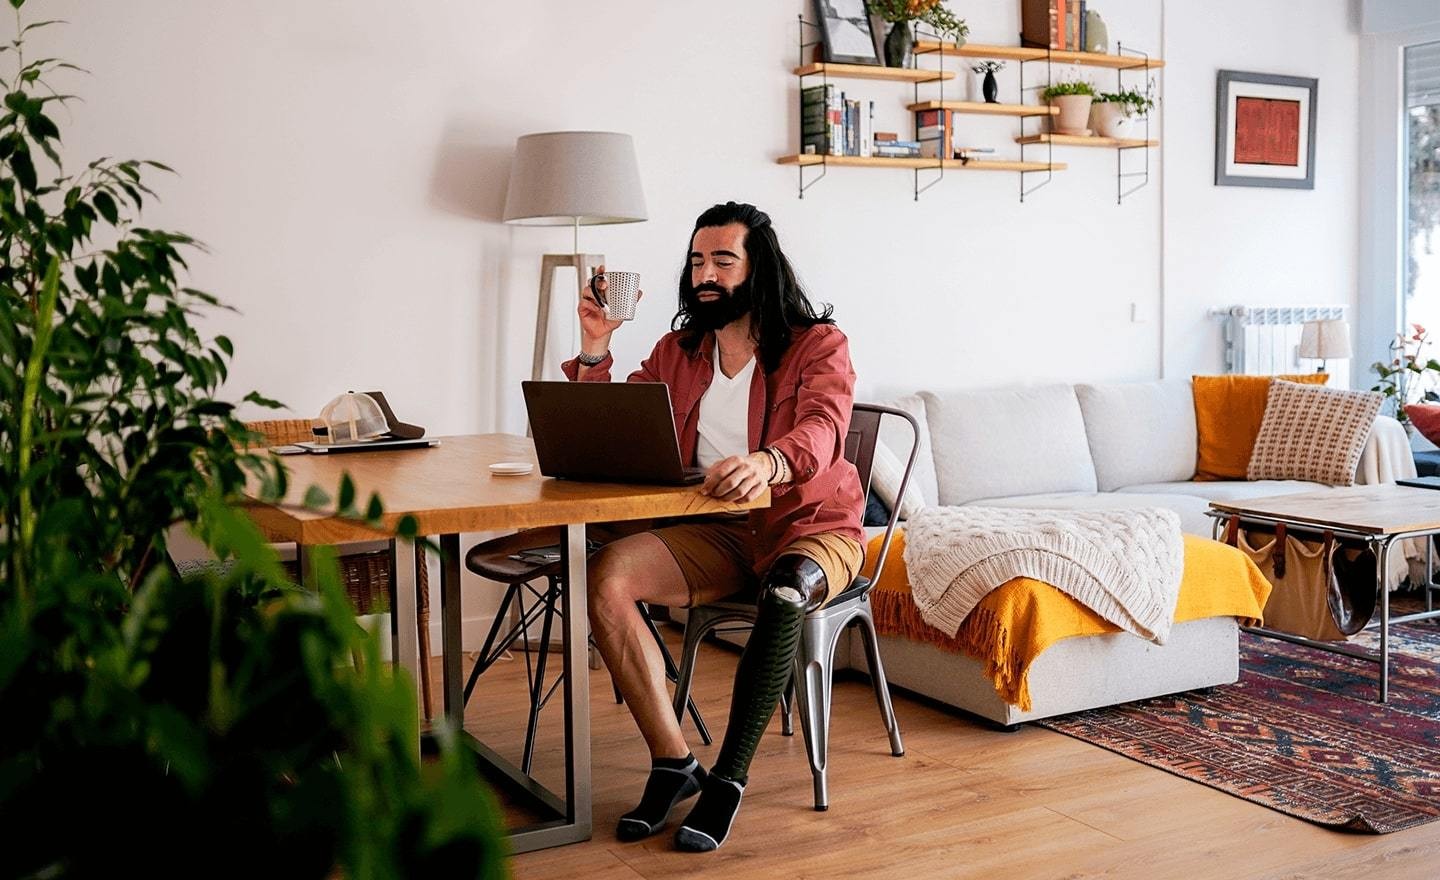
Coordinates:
(900,42)
(1114,113)
(1073,100)
(989,89)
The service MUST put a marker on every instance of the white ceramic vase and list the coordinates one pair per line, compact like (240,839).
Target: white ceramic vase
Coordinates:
(1109,120)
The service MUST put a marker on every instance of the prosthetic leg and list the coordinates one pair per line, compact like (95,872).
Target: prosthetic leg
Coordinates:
(794,586)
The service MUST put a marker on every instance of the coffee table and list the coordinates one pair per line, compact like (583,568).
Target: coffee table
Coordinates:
(1380,515)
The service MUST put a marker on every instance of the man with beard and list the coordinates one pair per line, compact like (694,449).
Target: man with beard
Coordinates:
(762,387)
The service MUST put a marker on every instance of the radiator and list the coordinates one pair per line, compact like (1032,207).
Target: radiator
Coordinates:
(1265,340)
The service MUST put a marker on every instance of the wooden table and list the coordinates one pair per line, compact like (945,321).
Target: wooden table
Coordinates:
(1379,515)
(449,489)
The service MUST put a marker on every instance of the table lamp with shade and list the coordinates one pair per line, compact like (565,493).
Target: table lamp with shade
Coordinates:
(1325,340)
(571,178)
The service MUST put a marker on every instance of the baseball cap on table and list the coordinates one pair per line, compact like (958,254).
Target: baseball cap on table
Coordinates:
(351,418)
(369,409)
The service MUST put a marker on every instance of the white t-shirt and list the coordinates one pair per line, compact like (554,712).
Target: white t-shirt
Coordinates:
(725,415)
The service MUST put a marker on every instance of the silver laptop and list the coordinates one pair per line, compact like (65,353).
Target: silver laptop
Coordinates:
(610,432)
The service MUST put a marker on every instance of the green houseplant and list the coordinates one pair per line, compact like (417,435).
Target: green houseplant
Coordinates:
(1114,113)
(1410,376)
(1073,98)
(899,13)
(235,724)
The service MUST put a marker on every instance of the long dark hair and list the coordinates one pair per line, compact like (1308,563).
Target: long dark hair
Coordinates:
(778,303)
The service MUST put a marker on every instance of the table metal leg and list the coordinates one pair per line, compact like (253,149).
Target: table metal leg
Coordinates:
(1382,568)
(451,650)
(577,682)
(402,601)
(561,822)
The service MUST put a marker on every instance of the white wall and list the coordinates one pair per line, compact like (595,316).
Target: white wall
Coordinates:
(1227,245)
(346,161)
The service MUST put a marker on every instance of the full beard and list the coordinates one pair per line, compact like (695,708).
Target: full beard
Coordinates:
(729,307)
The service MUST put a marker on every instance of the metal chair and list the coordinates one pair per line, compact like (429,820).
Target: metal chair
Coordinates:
(495,560)
(815,658)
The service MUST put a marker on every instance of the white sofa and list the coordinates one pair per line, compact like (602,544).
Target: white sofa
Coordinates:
(1081,447)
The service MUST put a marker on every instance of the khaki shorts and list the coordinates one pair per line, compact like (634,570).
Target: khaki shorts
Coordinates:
(717,552)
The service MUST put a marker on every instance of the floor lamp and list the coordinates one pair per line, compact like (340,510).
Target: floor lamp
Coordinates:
(571,178)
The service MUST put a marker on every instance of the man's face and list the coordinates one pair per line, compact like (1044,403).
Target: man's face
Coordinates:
(719,269)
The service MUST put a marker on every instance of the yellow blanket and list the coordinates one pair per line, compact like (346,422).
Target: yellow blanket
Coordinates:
(1022,617)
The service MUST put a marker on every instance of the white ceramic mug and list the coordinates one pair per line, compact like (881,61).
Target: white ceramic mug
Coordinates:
(621,294)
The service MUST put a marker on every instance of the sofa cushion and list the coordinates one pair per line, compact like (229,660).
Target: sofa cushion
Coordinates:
(1313,433)
(895,436)
(1226,490)
(1139,432)
(1228,413)
(1426,419)
(1011,441)
(1190,508)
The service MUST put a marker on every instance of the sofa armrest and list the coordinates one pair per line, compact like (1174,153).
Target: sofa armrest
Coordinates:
(1387,456)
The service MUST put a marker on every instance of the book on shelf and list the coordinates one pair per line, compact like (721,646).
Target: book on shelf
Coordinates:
(822,120)
(897,149)
(1084,30)
(1042,23)
(933,131)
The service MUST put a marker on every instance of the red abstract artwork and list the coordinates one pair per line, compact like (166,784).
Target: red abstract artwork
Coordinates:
(1267,132)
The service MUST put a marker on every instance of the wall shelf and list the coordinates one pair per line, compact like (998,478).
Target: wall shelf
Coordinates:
(1027,53)
(808,159)
(1071,140)
(982,108)
(865,71)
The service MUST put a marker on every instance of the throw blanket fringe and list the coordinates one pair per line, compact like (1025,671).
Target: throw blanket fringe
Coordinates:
(1125,565)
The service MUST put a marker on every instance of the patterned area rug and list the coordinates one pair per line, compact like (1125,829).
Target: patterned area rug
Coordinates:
(1300,732)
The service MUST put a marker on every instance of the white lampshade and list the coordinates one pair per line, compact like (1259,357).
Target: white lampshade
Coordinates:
(585,178)
(1325,340)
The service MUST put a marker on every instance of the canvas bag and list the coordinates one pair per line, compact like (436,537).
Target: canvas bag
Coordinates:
(1324,587)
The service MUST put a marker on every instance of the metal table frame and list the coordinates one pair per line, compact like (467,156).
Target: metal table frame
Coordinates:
(1381,545)
(565,817)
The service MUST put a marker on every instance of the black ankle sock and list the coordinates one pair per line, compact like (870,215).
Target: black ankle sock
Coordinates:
(671,781)
(709,821)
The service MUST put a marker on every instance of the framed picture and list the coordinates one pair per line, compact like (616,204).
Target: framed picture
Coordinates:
(846,32)
(1264,130)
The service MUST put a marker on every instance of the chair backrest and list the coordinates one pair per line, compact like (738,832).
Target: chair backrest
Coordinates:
(278,432)
(860,443)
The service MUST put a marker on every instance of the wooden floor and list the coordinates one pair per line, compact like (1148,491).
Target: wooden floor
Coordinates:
(965,801)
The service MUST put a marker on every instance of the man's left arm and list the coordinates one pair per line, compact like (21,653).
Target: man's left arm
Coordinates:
(822,409)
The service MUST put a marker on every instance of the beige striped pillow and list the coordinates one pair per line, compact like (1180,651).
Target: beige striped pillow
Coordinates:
(1312,433)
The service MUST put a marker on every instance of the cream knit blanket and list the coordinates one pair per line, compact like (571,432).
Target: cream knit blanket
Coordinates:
(1124,565)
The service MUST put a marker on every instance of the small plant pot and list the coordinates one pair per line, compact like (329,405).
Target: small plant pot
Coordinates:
(1074,113)
(1109,120)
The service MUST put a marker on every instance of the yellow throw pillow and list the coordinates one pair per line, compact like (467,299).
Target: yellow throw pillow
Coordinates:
(1228,413)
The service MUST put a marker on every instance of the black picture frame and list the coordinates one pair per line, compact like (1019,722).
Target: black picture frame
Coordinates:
(846,33)
(1231,167)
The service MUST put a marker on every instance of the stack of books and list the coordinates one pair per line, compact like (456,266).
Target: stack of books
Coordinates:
(1053,24)
(832,124)
(933,129)
(889,145)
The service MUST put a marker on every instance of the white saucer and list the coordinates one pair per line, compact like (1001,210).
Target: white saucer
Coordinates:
(511,468)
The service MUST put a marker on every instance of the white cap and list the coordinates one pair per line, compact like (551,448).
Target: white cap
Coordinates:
(351,417)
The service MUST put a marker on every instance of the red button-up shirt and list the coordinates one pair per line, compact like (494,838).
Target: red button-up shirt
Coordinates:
(802,410)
